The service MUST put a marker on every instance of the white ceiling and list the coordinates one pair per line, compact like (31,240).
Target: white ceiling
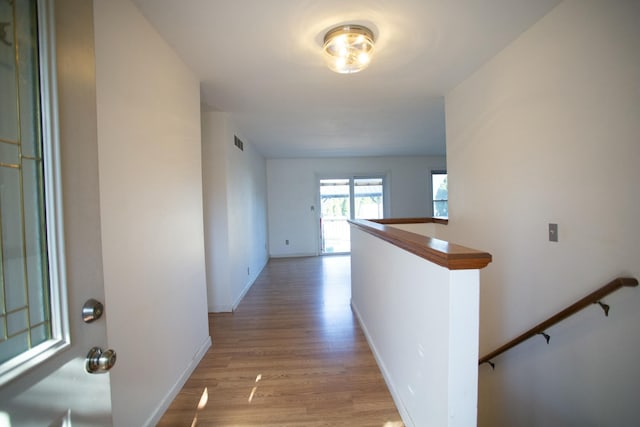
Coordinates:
(261,61)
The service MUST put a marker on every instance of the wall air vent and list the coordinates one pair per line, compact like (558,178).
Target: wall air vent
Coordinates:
(238,143)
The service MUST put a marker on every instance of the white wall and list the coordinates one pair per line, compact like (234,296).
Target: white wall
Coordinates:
(421,322)
(430,229)
(235,202)
(549,131)
(151,208)
(293,188)
(216,231)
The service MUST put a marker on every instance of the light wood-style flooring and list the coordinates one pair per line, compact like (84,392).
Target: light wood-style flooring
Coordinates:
(292,354)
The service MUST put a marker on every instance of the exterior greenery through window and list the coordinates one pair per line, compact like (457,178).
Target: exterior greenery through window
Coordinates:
(440,194)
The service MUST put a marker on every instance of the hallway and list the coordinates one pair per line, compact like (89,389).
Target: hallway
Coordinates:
(292,354)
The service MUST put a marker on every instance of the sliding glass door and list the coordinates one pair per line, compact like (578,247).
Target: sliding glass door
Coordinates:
(347,198)
(367,198)
(335,210)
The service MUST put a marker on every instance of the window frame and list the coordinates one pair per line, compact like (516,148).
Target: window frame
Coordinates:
(352,184)
(54,230)
(433,195)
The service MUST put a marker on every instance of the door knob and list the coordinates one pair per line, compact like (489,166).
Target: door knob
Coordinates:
(100,361)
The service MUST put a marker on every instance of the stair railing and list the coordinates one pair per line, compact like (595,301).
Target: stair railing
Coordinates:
(540,329)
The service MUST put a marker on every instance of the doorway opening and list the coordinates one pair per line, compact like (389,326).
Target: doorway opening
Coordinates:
(342,199)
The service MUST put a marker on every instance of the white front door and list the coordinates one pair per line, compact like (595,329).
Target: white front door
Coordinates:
(56,391)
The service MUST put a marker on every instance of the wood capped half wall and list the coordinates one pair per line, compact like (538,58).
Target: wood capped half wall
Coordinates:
(440,252)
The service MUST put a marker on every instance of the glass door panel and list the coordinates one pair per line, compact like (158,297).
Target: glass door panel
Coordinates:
(25,313)
(335,210)
(368,199)
(342,199)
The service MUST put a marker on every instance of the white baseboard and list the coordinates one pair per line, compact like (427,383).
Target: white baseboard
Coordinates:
(247,287)
(242,294)
(295,255)
(404,414)
(220,309)
(173,391)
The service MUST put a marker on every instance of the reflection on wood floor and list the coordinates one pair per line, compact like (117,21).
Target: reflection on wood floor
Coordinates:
(292,354)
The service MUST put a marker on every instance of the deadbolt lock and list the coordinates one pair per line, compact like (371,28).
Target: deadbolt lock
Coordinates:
(92,310)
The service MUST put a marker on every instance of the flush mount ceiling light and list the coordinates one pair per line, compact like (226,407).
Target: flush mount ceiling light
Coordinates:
(348,48)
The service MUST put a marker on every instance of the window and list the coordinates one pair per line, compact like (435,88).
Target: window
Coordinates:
(440,194)
(368,203)
(31,321)
(342,199)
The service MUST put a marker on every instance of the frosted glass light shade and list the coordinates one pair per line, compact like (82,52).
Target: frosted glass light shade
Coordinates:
(348,48)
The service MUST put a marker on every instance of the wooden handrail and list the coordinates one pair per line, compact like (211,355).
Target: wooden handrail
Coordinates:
(539,329)
(419,220)
(445,254)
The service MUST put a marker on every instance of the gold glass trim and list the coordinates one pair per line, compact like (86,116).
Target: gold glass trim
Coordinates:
(10,165)
(15,310)
(8,141)
(28,330)
(20,332)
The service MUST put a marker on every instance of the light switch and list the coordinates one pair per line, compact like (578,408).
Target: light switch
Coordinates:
(553,232)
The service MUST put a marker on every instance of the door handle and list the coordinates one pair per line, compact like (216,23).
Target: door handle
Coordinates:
(100,361)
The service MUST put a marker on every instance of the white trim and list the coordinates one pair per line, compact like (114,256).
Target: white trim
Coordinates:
(404,414)
(438,171)
(247,287)
(18,365)
(177,386)
(52,175)
(221,308)
(242,294)
(294,255)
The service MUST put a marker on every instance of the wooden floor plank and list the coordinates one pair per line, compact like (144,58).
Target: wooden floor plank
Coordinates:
(292,354)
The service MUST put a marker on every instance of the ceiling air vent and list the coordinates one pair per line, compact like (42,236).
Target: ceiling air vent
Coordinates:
(238,143)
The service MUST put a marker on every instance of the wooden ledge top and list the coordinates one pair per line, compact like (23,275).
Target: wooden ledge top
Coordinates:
(443,221)
(443,253)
